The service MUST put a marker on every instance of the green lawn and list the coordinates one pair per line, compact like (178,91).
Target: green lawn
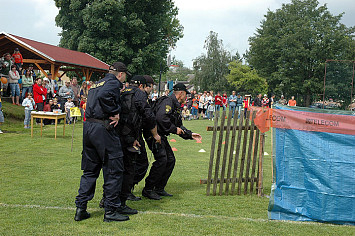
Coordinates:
(40,179)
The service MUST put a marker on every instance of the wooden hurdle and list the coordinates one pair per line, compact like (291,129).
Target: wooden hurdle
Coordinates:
(234,170)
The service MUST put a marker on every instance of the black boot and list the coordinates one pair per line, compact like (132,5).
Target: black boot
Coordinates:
(114,215)
(162,192)
(132,197)
(81,214)
(150,194)
(126,210)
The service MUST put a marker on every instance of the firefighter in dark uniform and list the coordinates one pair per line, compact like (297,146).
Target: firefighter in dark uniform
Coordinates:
(141,163)
(101,145)
(135,115)
(167,111)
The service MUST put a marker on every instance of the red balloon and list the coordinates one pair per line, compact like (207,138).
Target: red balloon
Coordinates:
(3,80)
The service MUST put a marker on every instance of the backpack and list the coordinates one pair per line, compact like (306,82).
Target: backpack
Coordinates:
(130,121)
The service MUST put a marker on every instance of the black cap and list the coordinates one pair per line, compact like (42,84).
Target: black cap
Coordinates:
(138,79)
(120,67)
(16,49)
(149,79)
(180,87)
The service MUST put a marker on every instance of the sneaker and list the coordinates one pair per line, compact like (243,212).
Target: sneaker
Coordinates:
(1,132)
(81,214)
(150,194)
(126,210)
(163,193)
(132,197)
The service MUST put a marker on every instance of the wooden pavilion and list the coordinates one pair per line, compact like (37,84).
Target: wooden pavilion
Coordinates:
(51,58)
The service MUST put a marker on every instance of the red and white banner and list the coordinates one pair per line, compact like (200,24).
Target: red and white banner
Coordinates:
(302,120)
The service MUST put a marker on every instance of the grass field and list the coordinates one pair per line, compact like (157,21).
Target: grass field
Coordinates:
(40,177)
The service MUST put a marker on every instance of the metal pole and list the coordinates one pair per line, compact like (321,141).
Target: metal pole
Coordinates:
(352,84)
(325,74)
(159,80)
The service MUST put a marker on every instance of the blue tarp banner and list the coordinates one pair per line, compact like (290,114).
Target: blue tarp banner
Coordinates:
(314,176)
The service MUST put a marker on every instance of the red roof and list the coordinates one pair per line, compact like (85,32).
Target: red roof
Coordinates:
(64,55)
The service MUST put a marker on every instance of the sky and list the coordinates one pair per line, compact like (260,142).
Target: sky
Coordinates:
(234,21)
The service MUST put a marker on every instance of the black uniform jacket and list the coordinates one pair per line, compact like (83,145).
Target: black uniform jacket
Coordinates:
(168,115)
(140,99)
(104,98)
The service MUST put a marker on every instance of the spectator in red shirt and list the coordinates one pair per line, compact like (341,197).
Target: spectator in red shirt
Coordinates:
(218,101)
(48,108)
(224,101)
(39,95)
(18,59)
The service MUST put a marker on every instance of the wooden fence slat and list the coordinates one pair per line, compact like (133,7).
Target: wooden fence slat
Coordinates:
(242,160)
(236,156)
(231,150)
(250,148)
(213,145)
(218,157)
(210,128)
(226,145)
(255,157)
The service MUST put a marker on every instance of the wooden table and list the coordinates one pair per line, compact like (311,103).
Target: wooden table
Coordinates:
(47,115)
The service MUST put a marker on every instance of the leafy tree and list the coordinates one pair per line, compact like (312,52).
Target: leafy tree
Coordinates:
(211,68)
(246,80)
(292,44)
(137,32)
(338,84)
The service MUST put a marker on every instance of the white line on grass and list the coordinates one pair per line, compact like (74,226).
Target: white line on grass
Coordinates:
(166,214)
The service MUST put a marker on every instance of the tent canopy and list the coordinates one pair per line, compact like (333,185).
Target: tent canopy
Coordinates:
(51,58)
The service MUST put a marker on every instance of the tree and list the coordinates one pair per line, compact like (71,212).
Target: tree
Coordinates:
(211,68)
(137,32)
(245,79)
(292,44)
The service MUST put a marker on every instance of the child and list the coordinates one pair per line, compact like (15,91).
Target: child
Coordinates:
(28,103)
(56,105)
(210,111)
(69,104)
(1,115)
(186,114)
(82,109)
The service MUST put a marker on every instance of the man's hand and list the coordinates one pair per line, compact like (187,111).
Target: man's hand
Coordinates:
(179,131)
(196,136)
(114,119)
(136,143)
(67,93)
(157,138)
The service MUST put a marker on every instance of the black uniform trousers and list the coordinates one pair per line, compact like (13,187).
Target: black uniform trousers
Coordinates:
(128,174)
(142,164)
(163,165)
(101,149)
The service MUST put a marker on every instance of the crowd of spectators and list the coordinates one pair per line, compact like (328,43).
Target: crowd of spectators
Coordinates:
(204,105)
(26,88)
